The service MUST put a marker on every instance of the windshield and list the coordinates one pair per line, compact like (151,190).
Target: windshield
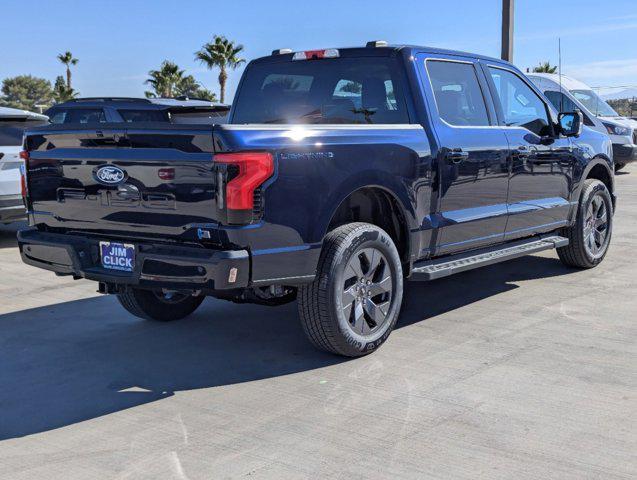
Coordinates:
(594,103)
(341,90)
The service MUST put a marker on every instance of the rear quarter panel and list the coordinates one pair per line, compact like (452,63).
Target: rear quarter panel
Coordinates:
(317,167)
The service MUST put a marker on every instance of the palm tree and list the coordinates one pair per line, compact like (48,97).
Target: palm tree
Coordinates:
(545,67)
(221,53)
(67,59)
(165,80)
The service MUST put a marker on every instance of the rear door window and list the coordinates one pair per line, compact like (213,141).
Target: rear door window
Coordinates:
(328,91)
(458,94)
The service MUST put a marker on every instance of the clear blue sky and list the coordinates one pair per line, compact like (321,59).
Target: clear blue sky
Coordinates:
(118,42)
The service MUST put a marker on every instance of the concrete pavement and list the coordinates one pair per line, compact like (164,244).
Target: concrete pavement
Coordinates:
(521,370)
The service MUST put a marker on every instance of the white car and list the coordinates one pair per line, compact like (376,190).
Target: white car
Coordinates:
(13,122)
(599,115)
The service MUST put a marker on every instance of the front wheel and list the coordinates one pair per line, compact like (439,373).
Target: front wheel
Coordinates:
(163,306)
(590,237)
(353,304)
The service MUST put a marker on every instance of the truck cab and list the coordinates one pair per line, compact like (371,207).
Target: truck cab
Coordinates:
(341,174)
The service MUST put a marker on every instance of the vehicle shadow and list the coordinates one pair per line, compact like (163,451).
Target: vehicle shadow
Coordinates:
(8,234)
(75,361)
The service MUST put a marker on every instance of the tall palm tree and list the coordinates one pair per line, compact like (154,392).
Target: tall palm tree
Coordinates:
(221,53)
(545,67)
(67,59)
(165,80)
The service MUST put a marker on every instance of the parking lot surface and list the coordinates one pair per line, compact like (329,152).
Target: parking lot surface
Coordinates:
(526,369)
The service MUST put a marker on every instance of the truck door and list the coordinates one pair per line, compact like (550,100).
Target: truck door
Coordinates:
(472,167)
(541,162)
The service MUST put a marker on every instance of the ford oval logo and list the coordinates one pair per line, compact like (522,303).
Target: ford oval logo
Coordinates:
(110,175)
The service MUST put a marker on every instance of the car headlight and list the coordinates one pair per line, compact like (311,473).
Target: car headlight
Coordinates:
(616,129)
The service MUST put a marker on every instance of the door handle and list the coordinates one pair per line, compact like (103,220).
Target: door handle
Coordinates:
(457,155)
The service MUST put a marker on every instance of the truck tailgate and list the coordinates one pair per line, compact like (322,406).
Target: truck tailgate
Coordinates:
(129,181)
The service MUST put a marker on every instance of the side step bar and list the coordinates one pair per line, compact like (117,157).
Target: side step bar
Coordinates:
(445,266)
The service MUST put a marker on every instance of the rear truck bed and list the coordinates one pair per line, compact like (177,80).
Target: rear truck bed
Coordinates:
(192,212)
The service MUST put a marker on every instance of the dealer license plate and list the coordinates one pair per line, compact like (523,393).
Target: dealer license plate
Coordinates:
(117,256)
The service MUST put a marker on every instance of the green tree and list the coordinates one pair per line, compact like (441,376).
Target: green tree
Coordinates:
(67,59)
(223,54)
(61,93)
(164,82)
(25,92)
(545,67)
(189,87)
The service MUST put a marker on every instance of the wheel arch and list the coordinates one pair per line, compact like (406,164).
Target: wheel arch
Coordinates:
(599,168)
(379,205)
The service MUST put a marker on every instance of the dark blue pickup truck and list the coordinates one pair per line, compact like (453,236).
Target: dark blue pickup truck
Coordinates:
(342,173)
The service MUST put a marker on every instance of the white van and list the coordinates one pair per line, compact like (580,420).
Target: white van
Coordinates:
(599,115)
(13,122)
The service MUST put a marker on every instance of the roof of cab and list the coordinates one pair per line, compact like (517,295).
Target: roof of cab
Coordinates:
(385,51)
(143,103)
(18,114)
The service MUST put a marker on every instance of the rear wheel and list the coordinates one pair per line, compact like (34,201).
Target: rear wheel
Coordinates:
(163,306)
(590,237)
(353,304)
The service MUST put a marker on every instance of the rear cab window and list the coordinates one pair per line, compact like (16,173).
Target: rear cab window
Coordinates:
(134,116)
(348,90)
(77,115)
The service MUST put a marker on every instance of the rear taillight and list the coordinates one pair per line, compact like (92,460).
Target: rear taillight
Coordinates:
(252,170)
(24,155)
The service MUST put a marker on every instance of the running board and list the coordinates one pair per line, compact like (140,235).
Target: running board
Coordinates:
(449,265)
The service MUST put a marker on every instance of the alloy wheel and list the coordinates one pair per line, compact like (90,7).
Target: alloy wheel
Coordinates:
(367,291)
(596,227)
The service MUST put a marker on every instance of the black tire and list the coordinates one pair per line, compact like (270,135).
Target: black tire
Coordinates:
(330,320)
(578,252)
(152,305)
(619,166)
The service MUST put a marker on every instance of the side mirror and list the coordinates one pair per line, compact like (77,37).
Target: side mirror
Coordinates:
(571,123)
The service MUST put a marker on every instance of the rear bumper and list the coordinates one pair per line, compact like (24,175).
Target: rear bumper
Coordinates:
(12,209)
(625,153)
(156,266)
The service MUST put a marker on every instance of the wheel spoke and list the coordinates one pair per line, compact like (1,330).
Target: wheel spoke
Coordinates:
(599,237)
(373,264)
(597,202)
(601,222)
(377,312)
(382,286)
(349,297)
(591,243)
(359,318)
(354,268)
